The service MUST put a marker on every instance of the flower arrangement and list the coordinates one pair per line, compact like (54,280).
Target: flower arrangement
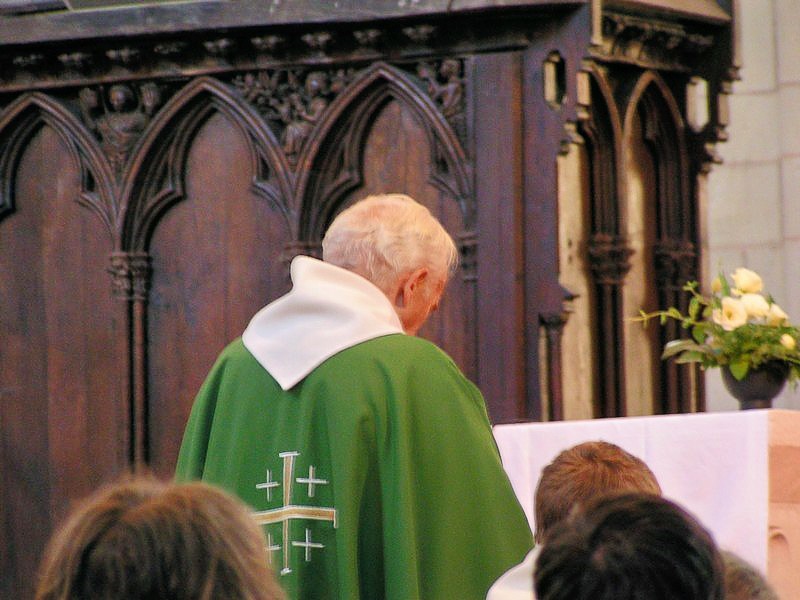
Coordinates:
(736,326)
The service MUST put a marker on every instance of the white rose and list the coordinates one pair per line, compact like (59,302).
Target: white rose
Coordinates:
(755,305)
(733,314)
(746,281)
(788,342)
(776,316)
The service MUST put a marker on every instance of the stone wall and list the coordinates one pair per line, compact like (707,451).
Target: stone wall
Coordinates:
(754,196)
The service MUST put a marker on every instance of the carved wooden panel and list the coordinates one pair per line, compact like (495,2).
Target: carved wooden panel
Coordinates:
(675,254)
(607,248)
(217,259)
(156,177)
(62,400)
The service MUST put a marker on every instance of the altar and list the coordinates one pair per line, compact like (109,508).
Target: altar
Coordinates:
(737,472)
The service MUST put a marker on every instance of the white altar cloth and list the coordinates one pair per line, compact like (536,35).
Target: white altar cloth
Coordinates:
(716,465)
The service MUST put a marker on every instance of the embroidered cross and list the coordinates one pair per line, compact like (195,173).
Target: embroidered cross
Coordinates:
(290,511)
(311,481)
(271,547)
(268,485)
(308,545)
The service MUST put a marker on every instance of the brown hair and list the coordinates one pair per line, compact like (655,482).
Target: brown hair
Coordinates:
(582,473)
(629,547)
(743,581)
(141,538)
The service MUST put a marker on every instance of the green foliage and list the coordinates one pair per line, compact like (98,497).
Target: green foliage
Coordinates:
(720,331)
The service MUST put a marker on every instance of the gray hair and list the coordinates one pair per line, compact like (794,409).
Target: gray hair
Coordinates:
(384,236)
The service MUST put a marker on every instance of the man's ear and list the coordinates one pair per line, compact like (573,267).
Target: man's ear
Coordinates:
(409,285)
(414,281)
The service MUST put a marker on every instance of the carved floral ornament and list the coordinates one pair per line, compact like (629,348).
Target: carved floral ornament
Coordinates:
(651,42)
(207,55)
(293,101)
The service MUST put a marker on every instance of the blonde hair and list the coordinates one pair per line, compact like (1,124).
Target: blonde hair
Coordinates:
(385,236)
(141,538)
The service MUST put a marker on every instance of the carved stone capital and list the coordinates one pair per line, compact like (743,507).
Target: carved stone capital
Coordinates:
(674,262)
(130,272)
(608,258)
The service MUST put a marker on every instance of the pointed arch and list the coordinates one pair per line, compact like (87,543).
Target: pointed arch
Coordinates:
(674,244)
(154,183)
(652,82)
(607,246)
(18,124)
(337,146)
(602,132)
(664,133)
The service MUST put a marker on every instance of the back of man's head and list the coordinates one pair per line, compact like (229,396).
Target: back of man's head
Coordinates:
(385,236)
(743,581)
(629,547)
(582,473)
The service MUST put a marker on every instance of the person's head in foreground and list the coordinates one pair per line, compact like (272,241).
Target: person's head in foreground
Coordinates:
(398,245)
(144,539)
(582,473)
(743,581)
(629,547)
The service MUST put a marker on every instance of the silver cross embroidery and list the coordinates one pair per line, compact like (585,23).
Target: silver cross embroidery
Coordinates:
(271,547)
(290,511)
(311,481)
(308,545)
(268,485)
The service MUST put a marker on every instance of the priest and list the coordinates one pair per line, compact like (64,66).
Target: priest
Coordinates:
(365,453)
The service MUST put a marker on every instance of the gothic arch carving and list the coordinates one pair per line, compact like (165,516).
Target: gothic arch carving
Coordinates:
(338,143)
(674,250)
(664,135)
(664,132)
(607,246)
(154,181)
(22,119)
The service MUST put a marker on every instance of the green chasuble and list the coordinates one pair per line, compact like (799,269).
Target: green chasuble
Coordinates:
(376,476)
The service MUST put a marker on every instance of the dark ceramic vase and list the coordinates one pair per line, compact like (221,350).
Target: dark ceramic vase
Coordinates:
(759,386)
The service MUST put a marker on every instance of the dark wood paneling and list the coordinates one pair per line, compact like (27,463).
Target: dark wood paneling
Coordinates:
(498,185)
(63,344)
(242,134)
(545,134)
(397,158)
(151,18)
(217,259)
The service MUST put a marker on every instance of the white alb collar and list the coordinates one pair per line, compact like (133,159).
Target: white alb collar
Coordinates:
(328,310)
